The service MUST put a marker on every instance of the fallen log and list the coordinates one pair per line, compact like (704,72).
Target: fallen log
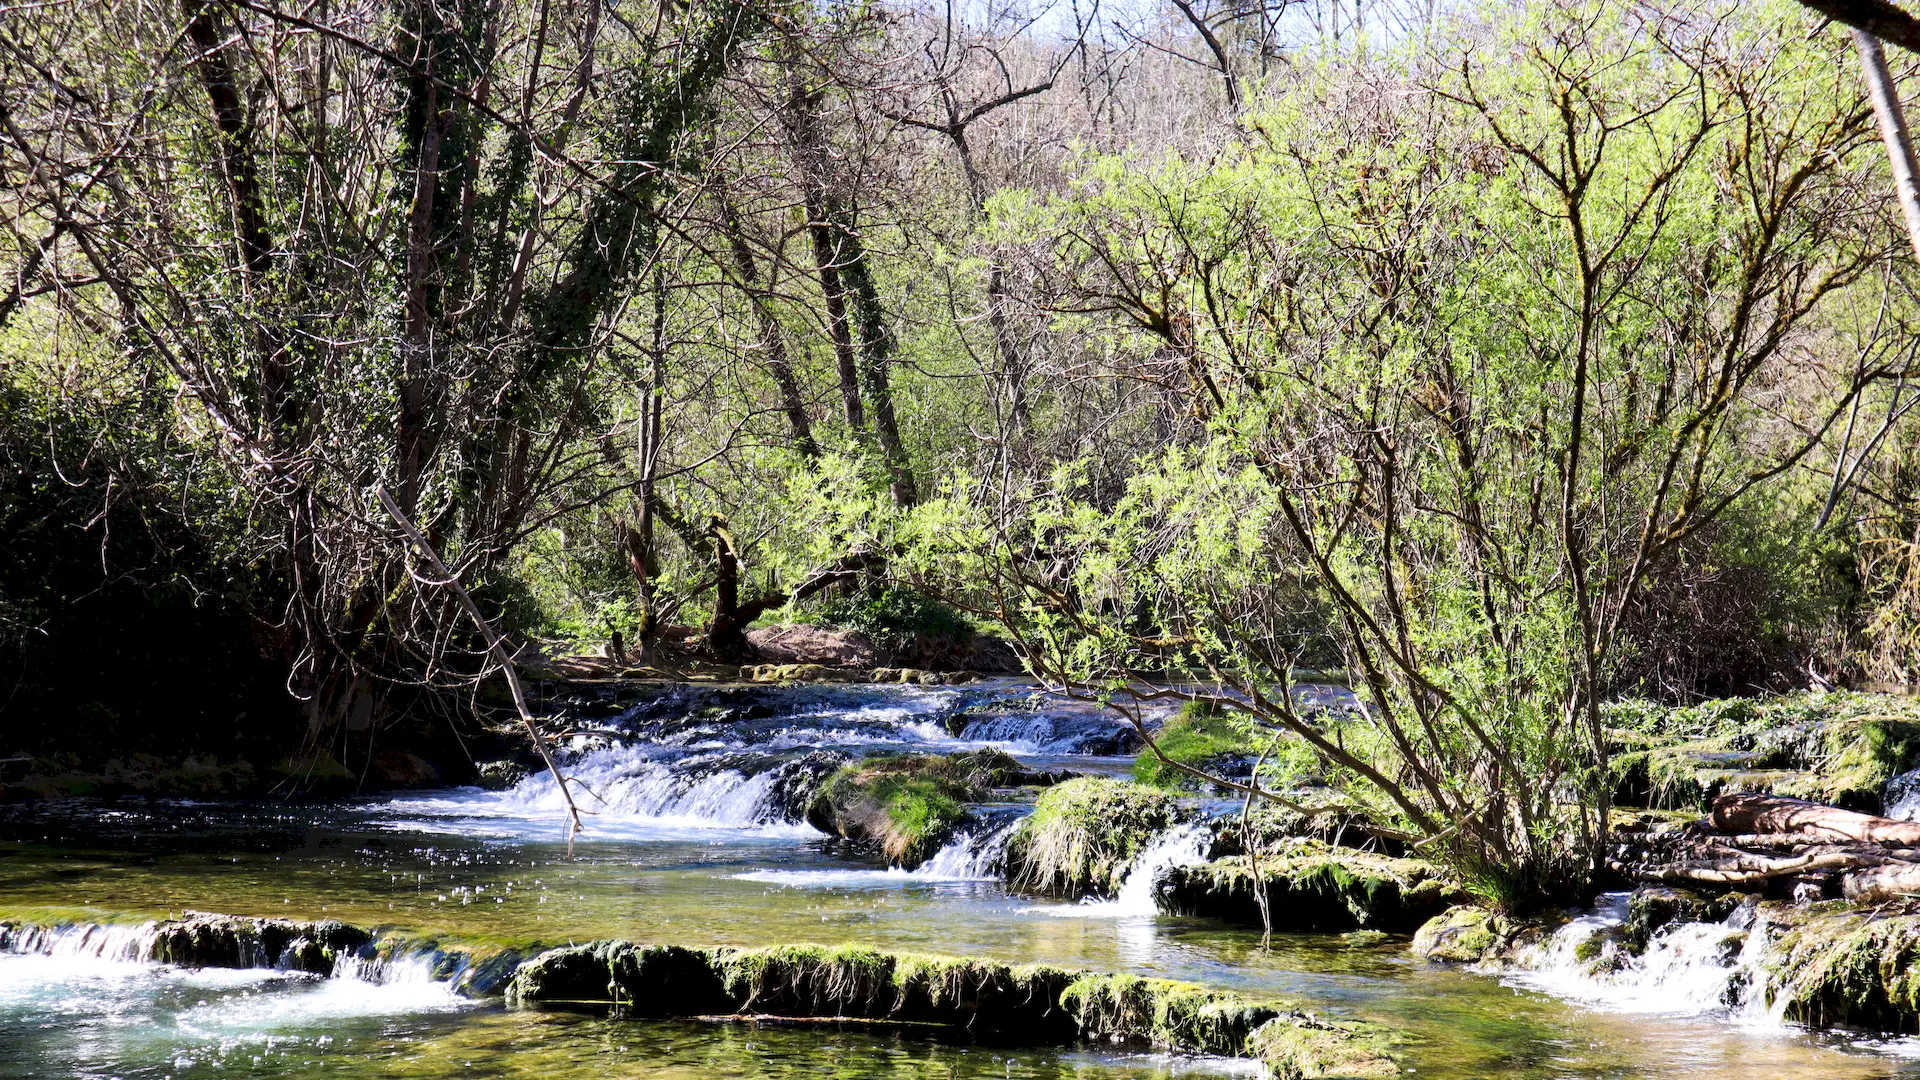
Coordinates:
(1881,884)
(1753,871)
(1748,813)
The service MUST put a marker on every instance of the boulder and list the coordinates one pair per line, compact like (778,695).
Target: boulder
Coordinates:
(1467,934)
(813,645)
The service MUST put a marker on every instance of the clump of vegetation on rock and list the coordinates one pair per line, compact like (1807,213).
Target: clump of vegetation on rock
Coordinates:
(1084,834)
(908,805)
(1833,965)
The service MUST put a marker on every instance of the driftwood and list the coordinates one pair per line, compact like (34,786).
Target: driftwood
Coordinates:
(1755,843)
(1778,814)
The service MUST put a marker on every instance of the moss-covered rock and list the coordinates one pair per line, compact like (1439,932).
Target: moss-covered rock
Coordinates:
(1312,886)
(1831,965)
(1838,748)
(1035,1005)
(1468,934)
(908,805)
(1306,1048)
(1083,834)
(1649,910)
(228,941)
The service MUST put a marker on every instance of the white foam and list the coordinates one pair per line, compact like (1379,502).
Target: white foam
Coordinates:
(1687,969)
(625,794)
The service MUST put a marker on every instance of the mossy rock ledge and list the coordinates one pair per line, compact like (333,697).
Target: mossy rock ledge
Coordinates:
(200,940)
(1017,1005)
(1084,834)
(1834,965)
(1311,886)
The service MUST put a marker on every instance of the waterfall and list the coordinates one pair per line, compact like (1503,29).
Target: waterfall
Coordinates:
(112,942)
(970,856)
(1182,845)
(1687,968)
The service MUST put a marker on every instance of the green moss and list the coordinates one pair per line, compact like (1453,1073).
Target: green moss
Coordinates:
(1084,833)
(1838,748)
(1198,736)
(1165,1013)
(1312,886)
(907,805)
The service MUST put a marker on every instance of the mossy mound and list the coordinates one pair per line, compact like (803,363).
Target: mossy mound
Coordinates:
(1310,1049)
(1831,965)
(1033,1005)
(1311,886)
(1198,736)
(908,805)
(1838,748)
(1083,835)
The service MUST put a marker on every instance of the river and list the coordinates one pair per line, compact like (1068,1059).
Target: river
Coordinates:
(697,840)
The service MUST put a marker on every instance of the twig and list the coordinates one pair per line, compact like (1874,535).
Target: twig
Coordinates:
(498,648)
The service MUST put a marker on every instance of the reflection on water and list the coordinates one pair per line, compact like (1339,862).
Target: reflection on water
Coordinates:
(700,846)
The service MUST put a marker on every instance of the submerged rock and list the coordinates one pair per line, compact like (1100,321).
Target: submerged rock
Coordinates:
(1306,1048)
(1311,886)
(1084,834)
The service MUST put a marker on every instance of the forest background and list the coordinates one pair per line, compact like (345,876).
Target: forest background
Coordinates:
(1512,358)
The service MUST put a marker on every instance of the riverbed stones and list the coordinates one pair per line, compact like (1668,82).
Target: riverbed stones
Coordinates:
(1311,886)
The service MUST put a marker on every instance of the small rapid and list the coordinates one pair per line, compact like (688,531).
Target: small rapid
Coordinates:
(973,856)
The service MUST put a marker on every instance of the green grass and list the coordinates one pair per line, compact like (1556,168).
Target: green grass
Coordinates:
(1196,736)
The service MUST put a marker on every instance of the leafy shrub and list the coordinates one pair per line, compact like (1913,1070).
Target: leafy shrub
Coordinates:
(895,619)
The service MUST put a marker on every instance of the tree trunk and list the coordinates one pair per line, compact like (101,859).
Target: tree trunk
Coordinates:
(1893,130)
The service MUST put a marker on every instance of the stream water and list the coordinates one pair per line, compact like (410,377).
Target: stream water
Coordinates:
(697,840)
